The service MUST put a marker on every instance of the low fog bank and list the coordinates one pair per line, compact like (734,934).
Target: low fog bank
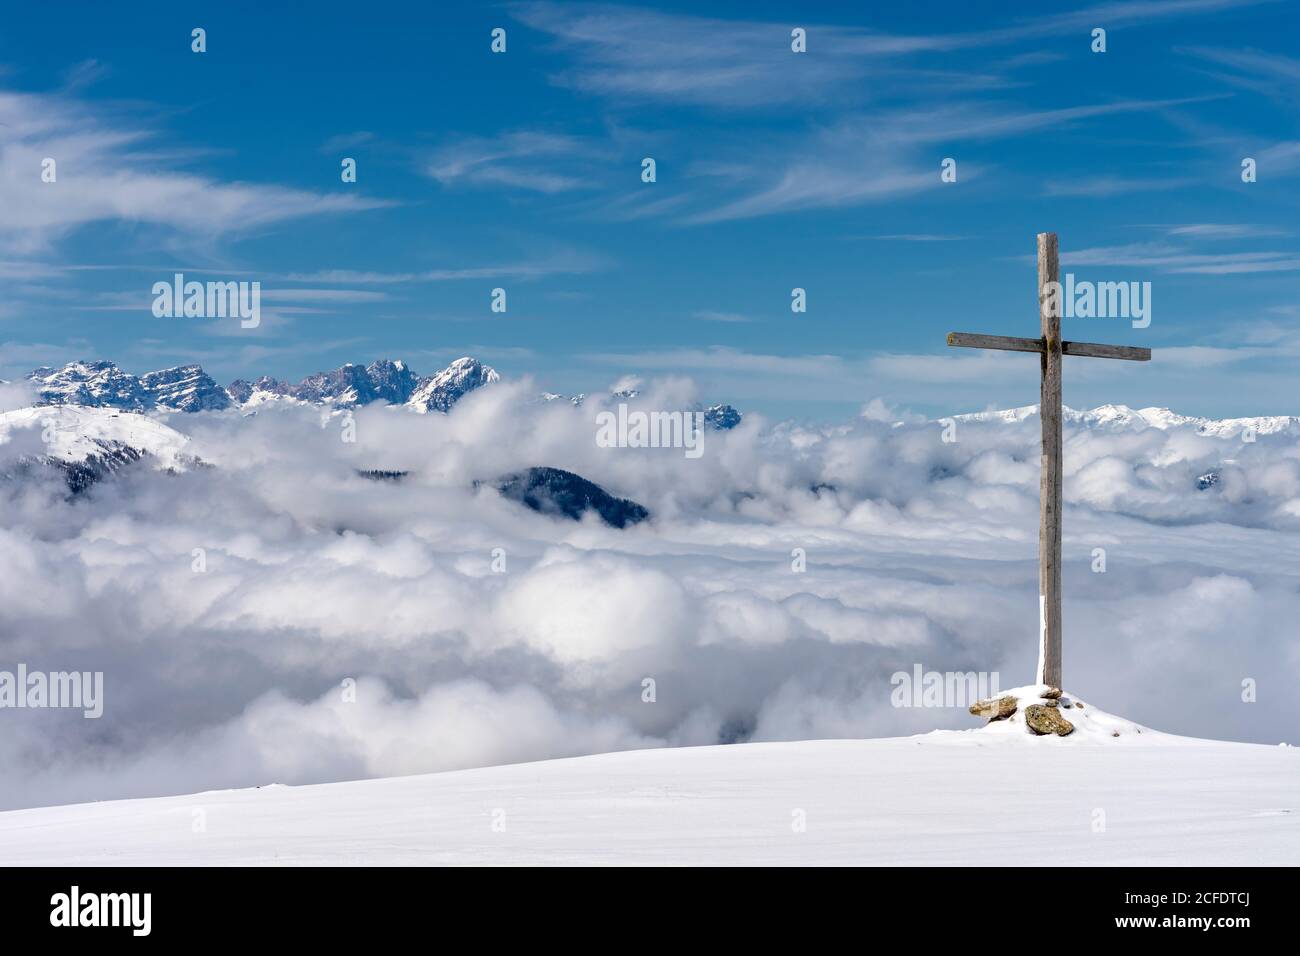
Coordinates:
(273,616)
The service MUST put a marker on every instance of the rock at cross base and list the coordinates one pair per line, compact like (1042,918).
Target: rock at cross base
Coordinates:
(1043,720)
(1052,693)
(994,708)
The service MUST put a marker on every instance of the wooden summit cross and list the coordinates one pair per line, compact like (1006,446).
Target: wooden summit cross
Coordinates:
(1050,349)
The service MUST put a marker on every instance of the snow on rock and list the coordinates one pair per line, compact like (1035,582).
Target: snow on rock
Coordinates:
(185,388)
(1121,417)
(77,434)
(955,798)
(438,393)
(88,383)
(721,417)
(1091,724)
(392,381)
(382,380)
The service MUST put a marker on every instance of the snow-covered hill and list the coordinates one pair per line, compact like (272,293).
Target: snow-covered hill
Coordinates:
(75,433)
(973,798)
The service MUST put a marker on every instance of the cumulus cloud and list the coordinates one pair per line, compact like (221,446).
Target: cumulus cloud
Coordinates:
(478,632)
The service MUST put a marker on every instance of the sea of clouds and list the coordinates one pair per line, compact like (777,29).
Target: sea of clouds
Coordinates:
(918,551)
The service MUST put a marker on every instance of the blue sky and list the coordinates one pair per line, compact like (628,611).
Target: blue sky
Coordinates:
(775,170)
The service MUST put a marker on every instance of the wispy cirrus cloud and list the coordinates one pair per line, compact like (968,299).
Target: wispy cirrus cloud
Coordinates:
(711,315)
(1224,230)
(1207,356)
(325,296)
(1280,158)
(557,261)
(719,358)
(84,74)
(638,54)
(1174,258)
(106,171)
(912,237)
(347,141)
(1102,186)
(855,149)
(883,155)
(1270,74)
(512,160)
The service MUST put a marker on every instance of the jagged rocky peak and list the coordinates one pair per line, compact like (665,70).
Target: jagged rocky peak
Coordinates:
(392,381)
(721,417)
(102,384)
(439,392)
(93,384)
(346,385)
(186,388)
(242,391)
(382,380)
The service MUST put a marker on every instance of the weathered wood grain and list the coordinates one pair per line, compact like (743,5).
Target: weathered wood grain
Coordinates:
(1096,350)
(1050,349)
(1049,492)
(1012,343)
(1008,343)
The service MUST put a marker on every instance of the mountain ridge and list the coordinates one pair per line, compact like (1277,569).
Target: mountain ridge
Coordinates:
(1118,416)
(187,388)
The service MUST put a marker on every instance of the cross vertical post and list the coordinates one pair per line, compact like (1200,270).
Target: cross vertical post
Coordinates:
(1051,350)
(1049,496)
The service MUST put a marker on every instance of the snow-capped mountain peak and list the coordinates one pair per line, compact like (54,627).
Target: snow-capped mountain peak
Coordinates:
(185,388)
(439,392)
(385,380)
(392,381)
(94,384)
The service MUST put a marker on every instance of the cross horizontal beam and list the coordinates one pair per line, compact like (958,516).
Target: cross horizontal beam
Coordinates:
(1011,343)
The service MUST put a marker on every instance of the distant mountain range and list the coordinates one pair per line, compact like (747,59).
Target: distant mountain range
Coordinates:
(1121,417)
(187,388)
(104,385)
